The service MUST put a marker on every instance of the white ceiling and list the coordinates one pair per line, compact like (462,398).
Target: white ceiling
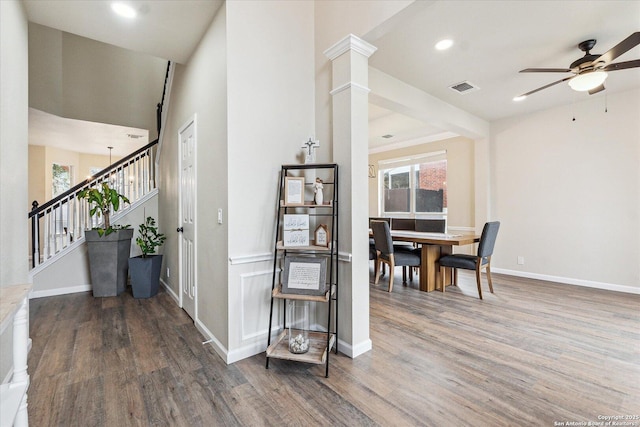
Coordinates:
(493,41)
(168,29)
(83,136)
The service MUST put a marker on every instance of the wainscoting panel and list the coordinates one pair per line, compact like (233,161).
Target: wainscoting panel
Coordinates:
(255,294)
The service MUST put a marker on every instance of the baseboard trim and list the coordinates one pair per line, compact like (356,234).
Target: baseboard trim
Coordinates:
(60,291)
(211,339)
(354,351)
(569,281)
(86,288)
(246,351)
(172,294)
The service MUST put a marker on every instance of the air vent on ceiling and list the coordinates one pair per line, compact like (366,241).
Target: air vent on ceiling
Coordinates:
(464,87)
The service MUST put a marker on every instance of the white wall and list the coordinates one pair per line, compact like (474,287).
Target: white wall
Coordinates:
(13,156)
(568,193)
(271,113)
(80,78)
(250,84)
(199,88)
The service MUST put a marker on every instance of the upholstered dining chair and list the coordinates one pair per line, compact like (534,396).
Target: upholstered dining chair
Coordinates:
(473,262)
(387,254)
(372,249)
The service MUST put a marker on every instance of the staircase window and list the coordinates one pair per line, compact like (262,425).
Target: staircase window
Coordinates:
(61,182)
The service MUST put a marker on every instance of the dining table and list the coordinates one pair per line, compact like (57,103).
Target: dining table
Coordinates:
(433,246)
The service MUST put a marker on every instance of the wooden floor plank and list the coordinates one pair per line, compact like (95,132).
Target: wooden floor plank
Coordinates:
(124,401)
(532,353)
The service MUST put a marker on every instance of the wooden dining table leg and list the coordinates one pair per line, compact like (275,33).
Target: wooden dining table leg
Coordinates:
(429,267)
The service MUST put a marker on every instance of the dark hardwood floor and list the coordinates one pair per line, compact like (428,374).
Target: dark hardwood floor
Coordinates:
(532,354)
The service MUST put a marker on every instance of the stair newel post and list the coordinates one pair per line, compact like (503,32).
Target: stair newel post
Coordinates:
(35,236)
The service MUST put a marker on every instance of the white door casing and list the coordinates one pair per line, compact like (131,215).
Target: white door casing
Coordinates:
(187,137)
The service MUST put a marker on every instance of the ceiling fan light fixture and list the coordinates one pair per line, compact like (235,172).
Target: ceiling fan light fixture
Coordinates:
(587,81)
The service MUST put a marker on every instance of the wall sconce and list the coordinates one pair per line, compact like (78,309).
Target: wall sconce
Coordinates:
(372,171)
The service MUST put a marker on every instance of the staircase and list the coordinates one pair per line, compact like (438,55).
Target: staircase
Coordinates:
(61,222)
(58,255)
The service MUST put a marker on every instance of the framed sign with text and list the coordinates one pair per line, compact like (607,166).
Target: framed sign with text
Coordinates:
(305,276)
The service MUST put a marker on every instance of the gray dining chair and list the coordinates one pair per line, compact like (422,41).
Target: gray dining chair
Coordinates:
(473,262)
(387,254)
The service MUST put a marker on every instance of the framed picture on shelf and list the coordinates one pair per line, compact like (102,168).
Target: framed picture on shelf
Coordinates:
(304,276)
(321,236)
(295,229)
(294,191)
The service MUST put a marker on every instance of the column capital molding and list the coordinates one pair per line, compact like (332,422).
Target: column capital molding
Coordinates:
(350,42)
(350,85)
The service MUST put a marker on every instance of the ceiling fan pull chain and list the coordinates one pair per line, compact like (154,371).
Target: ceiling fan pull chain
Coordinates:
(606,101)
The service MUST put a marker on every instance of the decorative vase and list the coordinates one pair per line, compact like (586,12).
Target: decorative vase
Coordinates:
(145,275)
(298,326)
(108,261)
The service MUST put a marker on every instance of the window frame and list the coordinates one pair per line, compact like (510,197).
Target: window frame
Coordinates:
(412,162)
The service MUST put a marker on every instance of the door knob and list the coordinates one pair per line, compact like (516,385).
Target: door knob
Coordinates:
(180,229)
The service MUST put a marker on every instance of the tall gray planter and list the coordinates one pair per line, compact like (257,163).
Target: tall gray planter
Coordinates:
(145,275)
(109,261)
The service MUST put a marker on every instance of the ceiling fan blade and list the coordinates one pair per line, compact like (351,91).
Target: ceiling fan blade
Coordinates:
(627,44)
(622,65)
(596,90)
(546,86)
(546,70)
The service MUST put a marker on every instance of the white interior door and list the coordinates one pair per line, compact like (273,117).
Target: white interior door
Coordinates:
(186,228)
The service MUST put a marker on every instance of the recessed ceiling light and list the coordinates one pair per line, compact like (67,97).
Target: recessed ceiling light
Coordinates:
(444,44)
(520,98)
(123,9)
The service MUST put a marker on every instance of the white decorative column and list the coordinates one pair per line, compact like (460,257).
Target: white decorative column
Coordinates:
(350,101)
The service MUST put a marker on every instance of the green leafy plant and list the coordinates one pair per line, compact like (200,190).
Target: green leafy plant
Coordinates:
(149,238)
(103,200)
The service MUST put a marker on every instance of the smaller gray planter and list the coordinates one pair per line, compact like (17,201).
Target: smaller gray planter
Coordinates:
(108,261)
(145,275)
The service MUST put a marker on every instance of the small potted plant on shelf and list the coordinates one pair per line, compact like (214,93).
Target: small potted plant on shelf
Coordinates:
(145,269)
(109,246)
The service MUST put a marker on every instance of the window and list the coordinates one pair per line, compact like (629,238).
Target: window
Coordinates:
(61,179)
(61,182)
(416,185)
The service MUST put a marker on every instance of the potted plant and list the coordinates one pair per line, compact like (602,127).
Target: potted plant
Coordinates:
(108,246)
(145,269)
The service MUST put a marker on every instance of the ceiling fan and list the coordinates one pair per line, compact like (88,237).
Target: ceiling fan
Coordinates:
(590,71)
